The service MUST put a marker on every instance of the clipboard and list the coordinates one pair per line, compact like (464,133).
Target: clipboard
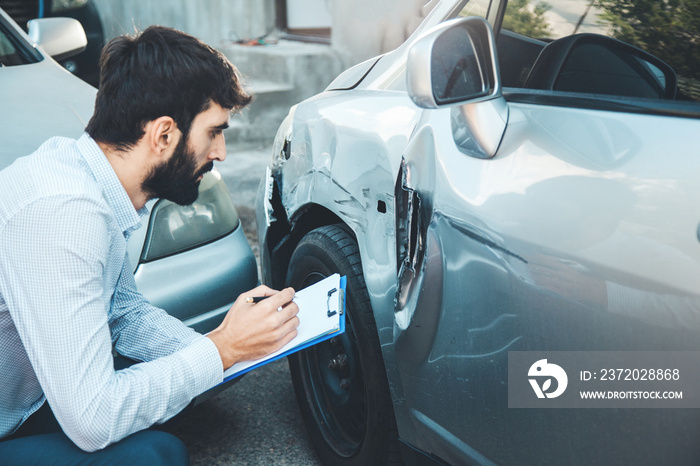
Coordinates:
(321,317)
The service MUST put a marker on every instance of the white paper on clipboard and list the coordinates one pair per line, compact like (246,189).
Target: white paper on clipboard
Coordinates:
(321,316)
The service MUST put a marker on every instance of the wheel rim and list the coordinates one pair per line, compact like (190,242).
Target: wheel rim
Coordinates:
(334,386)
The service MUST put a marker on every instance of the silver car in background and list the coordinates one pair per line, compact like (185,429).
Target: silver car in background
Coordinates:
(192,261)
(522,179)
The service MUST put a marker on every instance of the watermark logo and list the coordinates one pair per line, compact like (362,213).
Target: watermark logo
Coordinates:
(544,372)
(603,379)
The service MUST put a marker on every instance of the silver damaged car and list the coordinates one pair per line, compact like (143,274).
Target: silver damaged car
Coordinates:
(514,177)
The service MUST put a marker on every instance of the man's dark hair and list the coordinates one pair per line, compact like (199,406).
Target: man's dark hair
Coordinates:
(160,72)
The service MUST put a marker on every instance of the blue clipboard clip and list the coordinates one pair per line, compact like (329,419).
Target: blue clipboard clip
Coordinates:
(341,302)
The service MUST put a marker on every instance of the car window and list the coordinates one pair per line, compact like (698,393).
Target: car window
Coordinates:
(12,50)
(623,48)
(8,52)
(6,48)
(476,8)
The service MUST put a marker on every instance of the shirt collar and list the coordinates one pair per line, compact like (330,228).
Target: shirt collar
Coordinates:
(127,217)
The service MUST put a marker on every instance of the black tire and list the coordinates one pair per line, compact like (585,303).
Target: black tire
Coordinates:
(340,384)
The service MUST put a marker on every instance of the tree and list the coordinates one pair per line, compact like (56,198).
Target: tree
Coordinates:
(521,19)
(668,29)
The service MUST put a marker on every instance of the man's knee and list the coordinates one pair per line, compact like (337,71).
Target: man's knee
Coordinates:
(151,448)
(147,448)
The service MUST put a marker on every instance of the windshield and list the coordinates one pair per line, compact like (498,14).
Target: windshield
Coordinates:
(13,50)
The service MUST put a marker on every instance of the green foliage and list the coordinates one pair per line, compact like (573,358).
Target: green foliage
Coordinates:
(668,29)
(519,18)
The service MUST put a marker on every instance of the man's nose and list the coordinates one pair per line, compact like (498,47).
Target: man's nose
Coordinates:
(218,149)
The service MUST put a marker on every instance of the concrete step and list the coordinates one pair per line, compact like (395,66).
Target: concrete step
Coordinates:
(278,76)
(258,122)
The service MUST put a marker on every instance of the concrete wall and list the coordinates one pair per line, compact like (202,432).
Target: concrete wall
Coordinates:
(363,29)
(213,21)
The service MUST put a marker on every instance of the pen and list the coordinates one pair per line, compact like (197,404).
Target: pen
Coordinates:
(255,299)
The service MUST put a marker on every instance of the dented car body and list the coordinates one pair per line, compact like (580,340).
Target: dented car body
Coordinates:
(490,213)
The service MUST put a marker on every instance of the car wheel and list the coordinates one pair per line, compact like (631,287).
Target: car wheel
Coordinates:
(340,384)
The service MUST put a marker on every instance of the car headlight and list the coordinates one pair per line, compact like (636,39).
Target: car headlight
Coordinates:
(65,5)
(173,228)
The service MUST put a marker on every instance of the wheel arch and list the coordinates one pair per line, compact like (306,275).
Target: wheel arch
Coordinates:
(282,238)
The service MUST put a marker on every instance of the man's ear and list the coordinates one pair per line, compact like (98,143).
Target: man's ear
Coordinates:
(162,135)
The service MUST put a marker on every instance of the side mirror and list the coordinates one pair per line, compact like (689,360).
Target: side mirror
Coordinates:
(59,37)
(455,65)
(597,64)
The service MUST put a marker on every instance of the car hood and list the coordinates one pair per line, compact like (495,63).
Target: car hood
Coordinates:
(40,100)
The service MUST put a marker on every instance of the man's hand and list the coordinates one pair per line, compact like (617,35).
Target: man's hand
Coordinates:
(252,331)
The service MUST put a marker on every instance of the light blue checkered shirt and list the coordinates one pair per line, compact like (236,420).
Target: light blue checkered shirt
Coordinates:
(67,296)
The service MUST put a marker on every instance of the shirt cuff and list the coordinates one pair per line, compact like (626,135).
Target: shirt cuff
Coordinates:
(204,362)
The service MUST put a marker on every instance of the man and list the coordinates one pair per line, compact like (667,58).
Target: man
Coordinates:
(67,293)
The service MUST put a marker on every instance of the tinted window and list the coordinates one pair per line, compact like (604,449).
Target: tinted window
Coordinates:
(13,51)
(476,8)
(668,31)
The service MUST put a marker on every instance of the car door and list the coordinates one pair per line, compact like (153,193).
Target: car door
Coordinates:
(557,214)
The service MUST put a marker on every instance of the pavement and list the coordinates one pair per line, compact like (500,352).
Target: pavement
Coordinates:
(242,171)
(256,421)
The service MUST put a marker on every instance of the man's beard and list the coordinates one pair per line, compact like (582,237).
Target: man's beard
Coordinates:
(177,179)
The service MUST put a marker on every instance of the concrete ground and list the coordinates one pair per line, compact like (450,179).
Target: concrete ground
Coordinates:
(256,421)
(242,171)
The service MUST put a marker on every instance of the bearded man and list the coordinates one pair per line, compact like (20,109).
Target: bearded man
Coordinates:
(67,293)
